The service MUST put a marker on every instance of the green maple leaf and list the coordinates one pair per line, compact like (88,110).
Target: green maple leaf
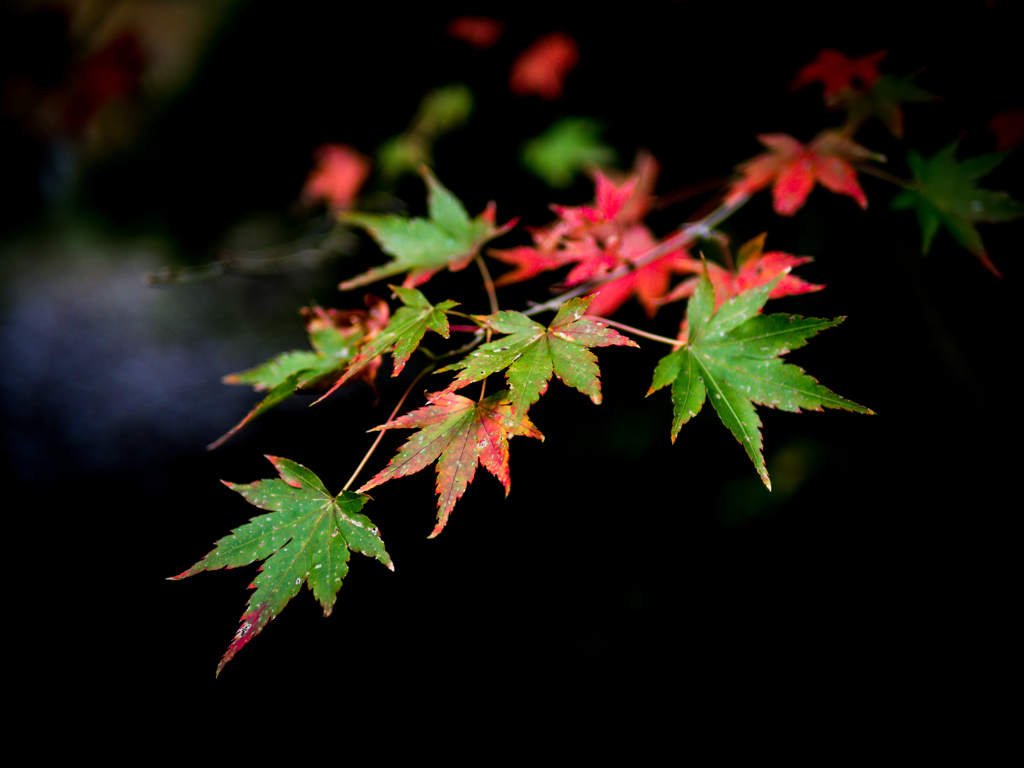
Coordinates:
(306,537)
(335,337)
(565,149)
(403,333)
(733,354)
(458,433)
(533,353)
(947,196)
(422,247)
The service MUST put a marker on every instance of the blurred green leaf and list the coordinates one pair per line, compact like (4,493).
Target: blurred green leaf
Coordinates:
(946,195)
(566,148)
(441,111)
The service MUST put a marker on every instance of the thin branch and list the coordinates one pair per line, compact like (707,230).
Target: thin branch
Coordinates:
(380,437)
(637,331)
(488,283)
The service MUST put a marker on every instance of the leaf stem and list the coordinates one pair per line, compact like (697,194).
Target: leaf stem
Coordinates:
(492,297)
(885,175)
(380,436)
(637,331)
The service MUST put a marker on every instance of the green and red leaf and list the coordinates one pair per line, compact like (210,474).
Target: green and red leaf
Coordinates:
(533,354)
(402,335)
(422,247)
(458,433)
(335,336)
(306,537)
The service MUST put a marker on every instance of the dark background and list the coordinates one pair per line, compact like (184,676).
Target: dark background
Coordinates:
(619,562)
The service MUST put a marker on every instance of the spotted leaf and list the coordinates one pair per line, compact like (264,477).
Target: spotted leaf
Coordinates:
(306,536)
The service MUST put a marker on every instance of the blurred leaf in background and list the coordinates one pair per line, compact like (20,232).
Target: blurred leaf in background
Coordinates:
(568,147)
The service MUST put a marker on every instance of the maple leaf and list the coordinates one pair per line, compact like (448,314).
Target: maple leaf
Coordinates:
(838,72)
(533,353)
(335,336)
(599,239)
(564,149)
(793,169)
(648,283)
(458,433)
(734,354)
(402,335)
(481,32)
(946,196)
(339,174)
(754,268)
(440,110)
(306,537)
(882,101)
(542,67)
(422,247)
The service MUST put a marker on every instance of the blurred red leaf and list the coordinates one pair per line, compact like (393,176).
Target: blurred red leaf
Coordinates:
(339,174)
(541,68)
(480,32)
(1008,127)
(793,169)
(836,71)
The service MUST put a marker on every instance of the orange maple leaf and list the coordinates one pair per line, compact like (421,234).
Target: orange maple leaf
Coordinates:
(837,71)
(339,174)
(792,169)
(754,268)
(458,433)
(480,32)
(542,67)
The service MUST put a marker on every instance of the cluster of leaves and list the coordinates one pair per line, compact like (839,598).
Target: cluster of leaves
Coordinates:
(726,350)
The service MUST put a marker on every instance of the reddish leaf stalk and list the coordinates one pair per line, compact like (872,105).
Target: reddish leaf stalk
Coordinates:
(492,297)
(675,343)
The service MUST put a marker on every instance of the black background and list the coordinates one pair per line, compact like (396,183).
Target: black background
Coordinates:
(619,562)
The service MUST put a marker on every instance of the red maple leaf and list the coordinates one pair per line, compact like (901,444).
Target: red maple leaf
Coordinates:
(480,32)
(542,67)
(599,239)
(458,433)
(792,169)
(339,174)
(648,283)
(837,71)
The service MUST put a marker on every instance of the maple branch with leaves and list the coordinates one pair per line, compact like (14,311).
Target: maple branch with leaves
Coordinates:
(726,352)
